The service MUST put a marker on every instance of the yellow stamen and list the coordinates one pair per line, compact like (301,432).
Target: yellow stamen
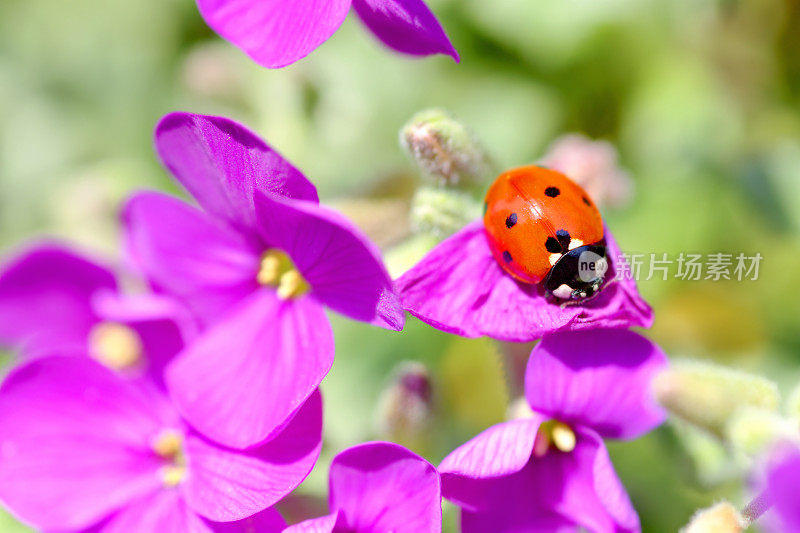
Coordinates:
(277,270)
(115,345)
(563,437)
(292,285)
(554,434)
(173,475)
(270,270)
(169,445)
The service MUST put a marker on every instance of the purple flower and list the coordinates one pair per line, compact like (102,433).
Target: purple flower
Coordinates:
(80,447)
(279,32)
(459,288)
(551,472)
(54,300)
(257,265)
(783,484)
(380,486)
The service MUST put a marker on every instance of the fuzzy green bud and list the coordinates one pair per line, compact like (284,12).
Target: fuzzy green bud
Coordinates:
(752,430)
(444,149)
(707,395)
(442,212)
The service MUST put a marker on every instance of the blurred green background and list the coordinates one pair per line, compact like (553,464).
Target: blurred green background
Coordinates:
(701,98)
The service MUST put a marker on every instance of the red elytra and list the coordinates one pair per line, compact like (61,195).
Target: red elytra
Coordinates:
(534,218)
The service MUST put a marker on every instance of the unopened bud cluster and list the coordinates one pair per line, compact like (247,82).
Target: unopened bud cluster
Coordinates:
(444,149)
(707,395)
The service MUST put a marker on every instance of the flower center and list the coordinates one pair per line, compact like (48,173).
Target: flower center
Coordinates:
(277,270)
(115,345)
(554,434)
(169,445)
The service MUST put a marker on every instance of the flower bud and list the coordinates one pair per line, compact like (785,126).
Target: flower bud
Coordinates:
(720,518)
(753,430)
(593,165)
(214,71)
(708,395)
(405,407)
(444,149)
(442,212)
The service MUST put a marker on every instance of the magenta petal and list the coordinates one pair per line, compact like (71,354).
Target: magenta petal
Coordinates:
(227,484)
(783,479)
(184,252)
(267,521)
(143,307)
(598,378)
(407,26)
(275,34)
(556,492)
(166,512)
(45,299)
(498,520)
(163,511)
(75,442)
(499,451)
(593,496)
(459,288)
(323,524)
(342,266)
(222,163)
(380,486)
(246,375)
(502,449)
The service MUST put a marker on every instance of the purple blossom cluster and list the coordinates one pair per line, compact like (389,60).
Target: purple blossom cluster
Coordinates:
(178,391)
(193,405)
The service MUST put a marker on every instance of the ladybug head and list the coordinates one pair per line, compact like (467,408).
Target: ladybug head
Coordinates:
(579,273)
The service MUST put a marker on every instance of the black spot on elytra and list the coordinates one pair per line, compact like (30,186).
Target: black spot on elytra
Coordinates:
(511,220)
(563,239)
(587,202)
(507,256)
(486,207)
(552,192)
(552,245)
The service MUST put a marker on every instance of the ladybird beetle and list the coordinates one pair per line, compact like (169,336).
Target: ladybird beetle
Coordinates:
(544,229)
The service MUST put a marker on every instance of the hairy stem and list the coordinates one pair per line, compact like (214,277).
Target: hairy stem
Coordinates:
(756,508)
